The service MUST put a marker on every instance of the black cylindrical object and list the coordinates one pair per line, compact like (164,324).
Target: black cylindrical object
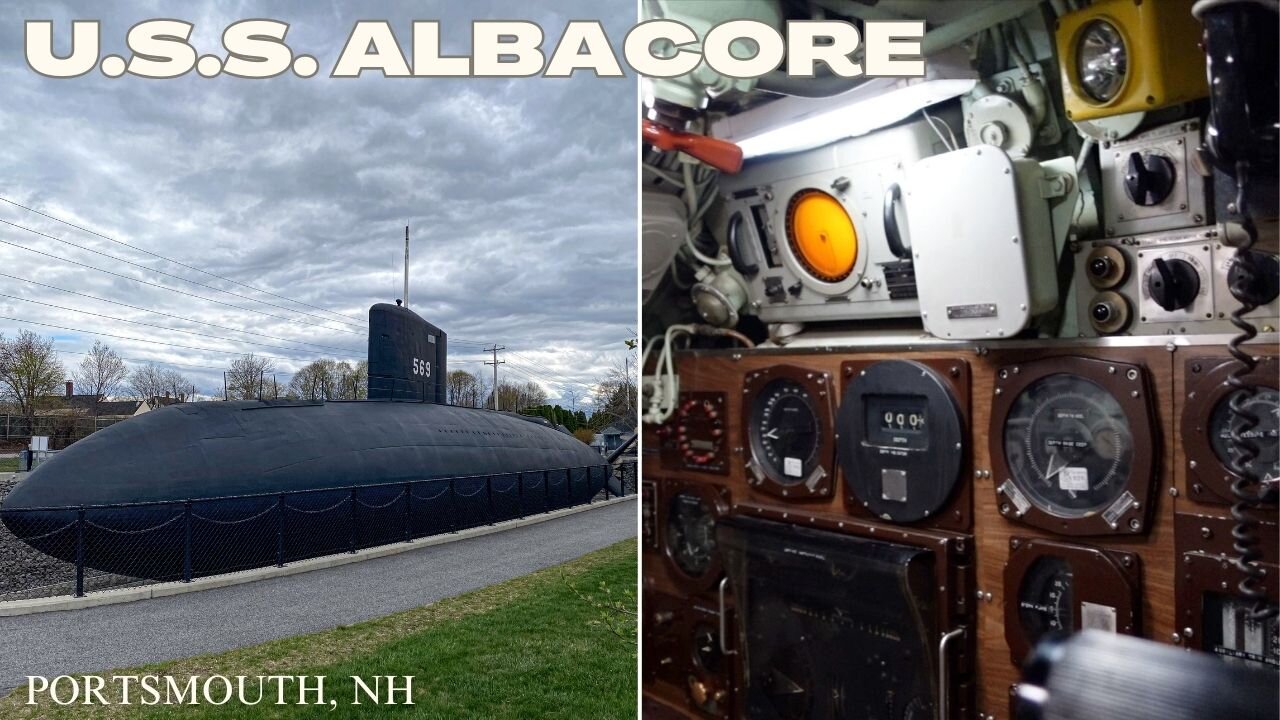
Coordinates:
(1094,675)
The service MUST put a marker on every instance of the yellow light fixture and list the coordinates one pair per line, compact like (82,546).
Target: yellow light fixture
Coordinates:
(821,235)
(1123,56)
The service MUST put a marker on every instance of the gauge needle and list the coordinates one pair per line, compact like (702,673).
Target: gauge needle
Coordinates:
(772,434)
(1050,475)
(1050,471)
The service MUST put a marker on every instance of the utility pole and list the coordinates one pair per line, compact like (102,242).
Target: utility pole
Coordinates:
(496,362)
(406,266)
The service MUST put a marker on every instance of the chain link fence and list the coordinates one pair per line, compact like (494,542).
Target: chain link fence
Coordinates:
(46,552)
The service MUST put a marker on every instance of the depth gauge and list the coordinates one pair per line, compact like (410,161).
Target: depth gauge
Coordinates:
(1072,445)
(902,438)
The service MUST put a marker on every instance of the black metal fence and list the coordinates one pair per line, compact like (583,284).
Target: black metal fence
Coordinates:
(62,430)
(75,550)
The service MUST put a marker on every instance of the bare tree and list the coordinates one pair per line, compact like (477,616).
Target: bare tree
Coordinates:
(518,397)
(176,385)
(465,389)
(101,373)
(614,396)
(29,370)
(147,382)
(356,384)
(247,378)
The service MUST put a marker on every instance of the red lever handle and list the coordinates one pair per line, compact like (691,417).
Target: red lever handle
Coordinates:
(719,154)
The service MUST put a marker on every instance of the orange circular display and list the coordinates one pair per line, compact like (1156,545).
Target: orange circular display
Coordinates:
(822,235)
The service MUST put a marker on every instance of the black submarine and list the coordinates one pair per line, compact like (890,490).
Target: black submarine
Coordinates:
(207,487)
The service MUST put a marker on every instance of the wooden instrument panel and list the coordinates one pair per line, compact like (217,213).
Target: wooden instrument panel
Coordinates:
(975,510)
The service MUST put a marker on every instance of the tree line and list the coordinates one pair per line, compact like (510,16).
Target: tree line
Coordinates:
(32,376)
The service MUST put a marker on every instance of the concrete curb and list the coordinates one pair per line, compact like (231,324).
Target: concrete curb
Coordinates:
(124,595)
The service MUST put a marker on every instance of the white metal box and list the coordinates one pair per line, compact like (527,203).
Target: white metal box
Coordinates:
(982,241)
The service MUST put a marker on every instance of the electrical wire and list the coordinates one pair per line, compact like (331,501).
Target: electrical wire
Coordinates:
(176,317)
(174,290)
(951,146)
(197,283)
(1247,487)
(139,340)
(148,361)
(345,318)
(157,327)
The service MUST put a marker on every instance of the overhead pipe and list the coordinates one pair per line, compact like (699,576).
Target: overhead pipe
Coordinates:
(827,83)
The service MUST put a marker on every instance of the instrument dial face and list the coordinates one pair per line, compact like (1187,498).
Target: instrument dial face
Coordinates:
(1265,404)
(785,431)
(691,533)
(1068,445)
(1045,599)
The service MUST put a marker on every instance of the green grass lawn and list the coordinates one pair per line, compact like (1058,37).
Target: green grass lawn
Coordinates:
(8,465)
(559,643)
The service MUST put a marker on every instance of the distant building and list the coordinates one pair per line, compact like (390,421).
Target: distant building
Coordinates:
(611,438)
(91,404)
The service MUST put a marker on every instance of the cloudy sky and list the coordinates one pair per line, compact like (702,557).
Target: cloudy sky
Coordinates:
(520,194)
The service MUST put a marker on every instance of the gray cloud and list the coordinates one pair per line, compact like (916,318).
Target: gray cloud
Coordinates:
(521,193)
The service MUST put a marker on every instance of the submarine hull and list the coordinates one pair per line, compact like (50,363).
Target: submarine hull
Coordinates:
(205,488)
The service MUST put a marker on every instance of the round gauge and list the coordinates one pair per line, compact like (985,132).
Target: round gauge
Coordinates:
(706,649)
(691,533)
(786,433)
(822,236)
(1068,445)
(902,437)
(1045,599)
(1102,61)
(1265,404)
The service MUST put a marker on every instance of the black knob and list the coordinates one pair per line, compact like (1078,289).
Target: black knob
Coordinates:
(1102,312)
(1150,178)
(1254,278)
(1100,267)
(1174,284)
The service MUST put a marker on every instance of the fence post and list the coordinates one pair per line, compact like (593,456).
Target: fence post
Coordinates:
(488,489)
(546,491)
(186,543)
(453,509)
(606,485)
(520,491)
(591,496)
(80,553)
(351,536)
(408,512)
(280,530)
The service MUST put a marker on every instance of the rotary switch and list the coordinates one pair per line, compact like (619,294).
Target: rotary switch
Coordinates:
(1149,179)
(1174,284)
(1256,281)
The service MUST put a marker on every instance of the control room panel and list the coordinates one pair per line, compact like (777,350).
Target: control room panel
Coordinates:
(961,393)
(885,500)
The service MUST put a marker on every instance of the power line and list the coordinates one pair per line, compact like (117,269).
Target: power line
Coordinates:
(174,290)
(176,317)
(153,325)
(345,318)
(153,362)
(141,340)
(175,277)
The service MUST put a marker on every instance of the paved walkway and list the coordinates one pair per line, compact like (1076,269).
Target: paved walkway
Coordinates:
(115,636)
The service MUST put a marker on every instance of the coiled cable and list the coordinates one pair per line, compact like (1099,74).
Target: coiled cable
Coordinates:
(1247,487)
